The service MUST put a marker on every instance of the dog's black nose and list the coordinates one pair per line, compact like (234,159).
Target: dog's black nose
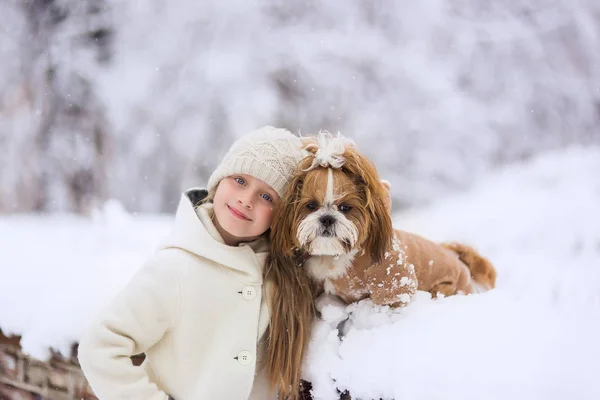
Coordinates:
(327,220)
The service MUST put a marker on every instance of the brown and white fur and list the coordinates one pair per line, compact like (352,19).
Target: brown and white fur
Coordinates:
(335,220)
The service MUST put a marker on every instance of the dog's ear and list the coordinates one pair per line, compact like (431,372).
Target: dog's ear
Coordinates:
(282,237)
(380,230)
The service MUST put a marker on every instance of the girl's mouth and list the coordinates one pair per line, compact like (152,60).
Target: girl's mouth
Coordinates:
(238,214)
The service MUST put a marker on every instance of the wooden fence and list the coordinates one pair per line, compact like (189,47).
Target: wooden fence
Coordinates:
(23,377)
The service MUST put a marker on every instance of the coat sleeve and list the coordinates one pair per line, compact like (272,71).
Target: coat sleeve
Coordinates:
(135,320)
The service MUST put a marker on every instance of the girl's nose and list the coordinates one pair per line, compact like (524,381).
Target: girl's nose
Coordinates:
(245,199)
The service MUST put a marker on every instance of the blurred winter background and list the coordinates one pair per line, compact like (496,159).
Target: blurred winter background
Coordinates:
(136,100)
(485,116)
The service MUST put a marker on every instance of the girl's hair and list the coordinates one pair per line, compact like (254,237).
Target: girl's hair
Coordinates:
(291,303)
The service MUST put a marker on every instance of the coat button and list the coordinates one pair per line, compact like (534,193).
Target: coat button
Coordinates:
(249,292)
(245,357)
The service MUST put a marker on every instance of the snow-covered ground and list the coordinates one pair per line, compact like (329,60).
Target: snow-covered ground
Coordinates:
(534,337)
(57,271)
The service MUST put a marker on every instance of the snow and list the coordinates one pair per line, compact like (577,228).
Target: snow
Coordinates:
(533,337)
(57,271)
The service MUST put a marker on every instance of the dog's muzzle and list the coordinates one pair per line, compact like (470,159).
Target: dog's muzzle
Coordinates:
(327,223)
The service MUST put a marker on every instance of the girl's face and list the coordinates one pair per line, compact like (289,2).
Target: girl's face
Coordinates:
(243,208)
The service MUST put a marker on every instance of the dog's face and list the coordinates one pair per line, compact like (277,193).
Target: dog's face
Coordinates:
(332,211)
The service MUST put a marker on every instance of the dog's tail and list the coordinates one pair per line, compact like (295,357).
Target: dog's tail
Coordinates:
(482,270)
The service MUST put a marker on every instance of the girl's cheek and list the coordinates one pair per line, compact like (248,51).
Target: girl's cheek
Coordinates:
(269,214)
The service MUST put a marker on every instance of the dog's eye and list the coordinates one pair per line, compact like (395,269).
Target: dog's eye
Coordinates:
(312,205)
(344,208)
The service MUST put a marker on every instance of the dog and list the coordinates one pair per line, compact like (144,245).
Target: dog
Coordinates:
(335,221)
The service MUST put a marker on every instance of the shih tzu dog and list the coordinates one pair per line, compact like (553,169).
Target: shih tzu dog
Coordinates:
(334,219)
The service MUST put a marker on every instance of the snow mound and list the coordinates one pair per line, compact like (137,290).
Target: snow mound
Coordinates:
(534,336)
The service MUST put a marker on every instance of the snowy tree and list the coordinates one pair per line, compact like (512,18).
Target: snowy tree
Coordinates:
(56,132)
(436,92)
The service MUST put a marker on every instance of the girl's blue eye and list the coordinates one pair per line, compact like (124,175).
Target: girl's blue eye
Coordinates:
(241,181)
(266,197)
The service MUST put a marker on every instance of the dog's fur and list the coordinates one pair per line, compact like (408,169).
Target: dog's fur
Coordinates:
(335,218)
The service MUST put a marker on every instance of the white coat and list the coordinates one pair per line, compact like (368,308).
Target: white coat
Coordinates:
(197,309)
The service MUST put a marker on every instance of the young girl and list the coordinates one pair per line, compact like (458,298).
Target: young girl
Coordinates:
(200,307)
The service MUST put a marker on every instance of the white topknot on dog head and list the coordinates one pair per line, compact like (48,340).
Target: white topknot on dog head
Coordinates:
(329,150)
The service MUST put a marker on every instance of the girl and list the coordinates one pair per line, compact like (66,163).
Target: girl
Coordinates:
(200,307)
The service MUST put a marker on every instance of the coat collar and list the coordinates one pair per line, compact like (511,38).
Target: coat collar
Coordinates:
(190,234)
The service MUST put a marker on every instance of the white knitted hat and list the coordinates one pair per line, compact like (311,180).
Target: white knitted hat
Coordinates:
(269,154)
